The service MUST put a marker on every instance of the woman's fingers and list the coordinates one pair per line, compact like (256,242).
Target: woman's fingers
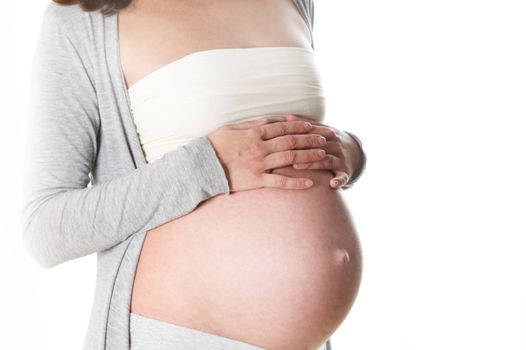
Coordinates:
(318,128)
(340,179)
(326,131)
(286,158)
(250,150)
(285,182)
(282,143)
(328,162)
(271,130)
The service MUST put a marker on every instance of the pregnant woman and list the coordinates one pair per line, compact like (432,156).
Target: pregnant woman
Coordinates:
(213,240)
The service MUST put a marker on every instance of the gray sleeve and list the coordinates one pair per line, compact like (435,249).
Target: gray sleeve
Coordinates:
(312,15)
(62,217)
(357,173)
(306,8)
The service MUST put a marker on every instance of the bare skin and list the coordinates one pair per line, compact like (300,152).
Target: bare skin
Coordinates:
(156,32)
(275,268)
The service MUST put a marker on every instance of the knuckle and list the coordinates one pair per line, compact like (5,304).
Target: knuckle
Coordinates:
(254,132)
(262,178)
(259,179)
(261,132)
(280,181)
(315,155)
(258,149)
(290,156)
(291,141)
(282,129)
(258,165)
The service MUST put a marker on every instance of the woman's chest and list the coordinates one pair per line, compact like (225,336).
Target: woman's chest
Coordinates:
(155,33)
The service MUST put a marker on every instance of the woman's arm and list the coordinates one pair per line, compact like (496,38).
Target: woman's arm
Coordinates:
(363,161)
(309,10)
(64,219)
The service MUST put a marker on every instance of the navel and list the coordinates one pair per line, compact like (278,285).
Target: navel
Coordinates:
(342,256)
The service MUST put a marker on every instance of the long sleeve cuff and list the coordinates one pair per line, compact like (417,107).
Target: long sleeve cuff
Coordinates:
(357,173)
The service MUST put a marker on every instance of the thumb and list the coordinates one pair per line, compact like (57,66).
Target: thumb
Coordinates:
(341,178)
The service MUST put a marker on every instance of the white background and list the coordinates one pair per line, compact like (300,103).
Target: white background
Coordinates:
(436,90)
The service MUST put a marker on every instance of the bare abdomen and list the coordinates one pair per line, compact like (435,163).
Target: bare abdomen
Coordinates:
(276,268)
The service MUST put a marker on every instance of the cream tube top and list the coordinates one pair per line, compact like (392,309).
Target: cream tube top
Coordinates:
(204,90)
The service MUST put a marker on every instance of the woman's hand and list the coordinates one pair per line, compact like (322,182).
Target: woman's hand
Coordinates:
(250,150)
(342,157)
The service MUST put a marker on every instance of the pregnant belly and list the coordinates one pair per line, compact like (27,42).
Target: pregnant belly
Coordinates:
(271,267)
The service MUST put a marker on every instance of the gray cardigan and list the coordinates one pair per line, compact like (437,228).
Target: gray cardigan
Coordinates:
(87,187)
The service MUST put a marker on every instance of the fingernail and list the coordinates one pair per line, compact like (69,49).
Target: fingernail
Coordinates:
(321,152)
(308,183)
(308,125)
(322,140)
